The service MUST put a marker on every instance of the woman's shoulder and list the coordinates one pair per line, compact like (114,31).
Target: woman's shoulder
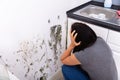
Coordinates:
(100,41)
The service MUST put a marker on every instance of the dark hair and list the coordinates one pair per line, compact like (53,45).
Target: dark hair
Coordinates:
(85,34)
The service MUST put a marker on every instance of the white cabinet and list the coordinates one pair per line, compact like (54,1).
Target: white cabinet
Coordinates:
(114,43)
(114,37)
(110,36)
(117,61)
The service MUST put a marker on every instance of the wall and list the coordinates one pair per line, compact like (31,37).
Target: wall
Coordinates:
(33,36)
(75,3)
(115,2)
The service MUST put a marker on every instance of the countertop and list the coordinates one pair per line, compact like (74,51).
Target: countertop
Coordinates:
(94,21)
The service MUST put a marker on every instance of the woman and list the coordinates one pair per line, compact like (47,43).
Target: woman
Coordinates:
(88,57)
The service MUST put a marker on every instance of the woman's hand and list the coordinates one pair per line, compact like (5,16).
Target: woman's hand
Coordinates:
(73,37)
(68,58)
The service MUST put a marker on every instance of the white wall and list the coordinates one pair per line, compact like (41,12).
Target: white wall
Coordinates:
(75,3)
(115,2)
(28,46)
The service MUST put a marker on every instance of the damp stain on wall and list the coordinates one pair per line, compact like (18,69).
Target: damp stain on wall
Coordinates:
(55,42)
(28,50)
(34,55)
(4,62)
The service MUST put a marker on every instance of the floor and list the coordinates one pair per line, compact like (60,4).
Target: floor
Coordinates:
(57,76)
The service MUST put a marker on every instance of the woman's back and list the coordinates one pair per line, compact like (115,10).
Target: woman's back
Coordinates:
(98,61)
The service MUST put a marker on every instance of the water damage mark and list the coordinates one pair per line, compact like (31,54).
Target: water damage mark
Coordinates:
(58,17)
(42,78)
(48,20)
(3,62)
(55,42)
(30,49)
(35,53)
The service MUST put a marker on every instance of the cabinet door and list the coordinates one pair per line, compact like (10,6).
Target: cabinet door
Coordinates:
(100,31)
(114,37)
(114,43)
(117,62)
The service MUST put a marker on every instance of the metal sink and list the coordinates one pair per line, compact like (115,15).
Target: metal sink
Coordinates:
(99,13)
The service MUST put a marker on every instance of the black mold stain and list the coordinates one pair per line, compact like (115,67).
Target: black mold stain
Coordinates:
(25,75)
(49,60)
(50,44)
(6,65)
(47,65)
(58,17)
(28,70)
(25,59)
(58,34)
(55,45)
(42,56)
(31,64)
(41,69)
(55,35)
(36,51)
(0,56)
(42,78)
(41,45)
(12,73)
(48,20)
(17,60)
(35,74)
(19,51)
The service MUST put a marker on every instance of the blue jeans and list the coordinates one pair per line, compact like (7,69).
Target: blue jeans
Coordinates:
(73,73)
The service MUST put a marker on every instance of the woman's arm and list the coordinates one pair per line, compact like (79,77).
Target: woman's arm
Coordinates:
(67,52)
(68,58)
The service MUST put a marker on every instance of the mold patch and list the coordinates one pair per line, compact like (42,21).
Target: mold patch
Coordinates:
(39,56)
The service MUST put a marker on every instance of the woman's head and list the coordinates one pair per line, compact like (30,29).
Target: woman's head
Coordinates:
(85,34)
